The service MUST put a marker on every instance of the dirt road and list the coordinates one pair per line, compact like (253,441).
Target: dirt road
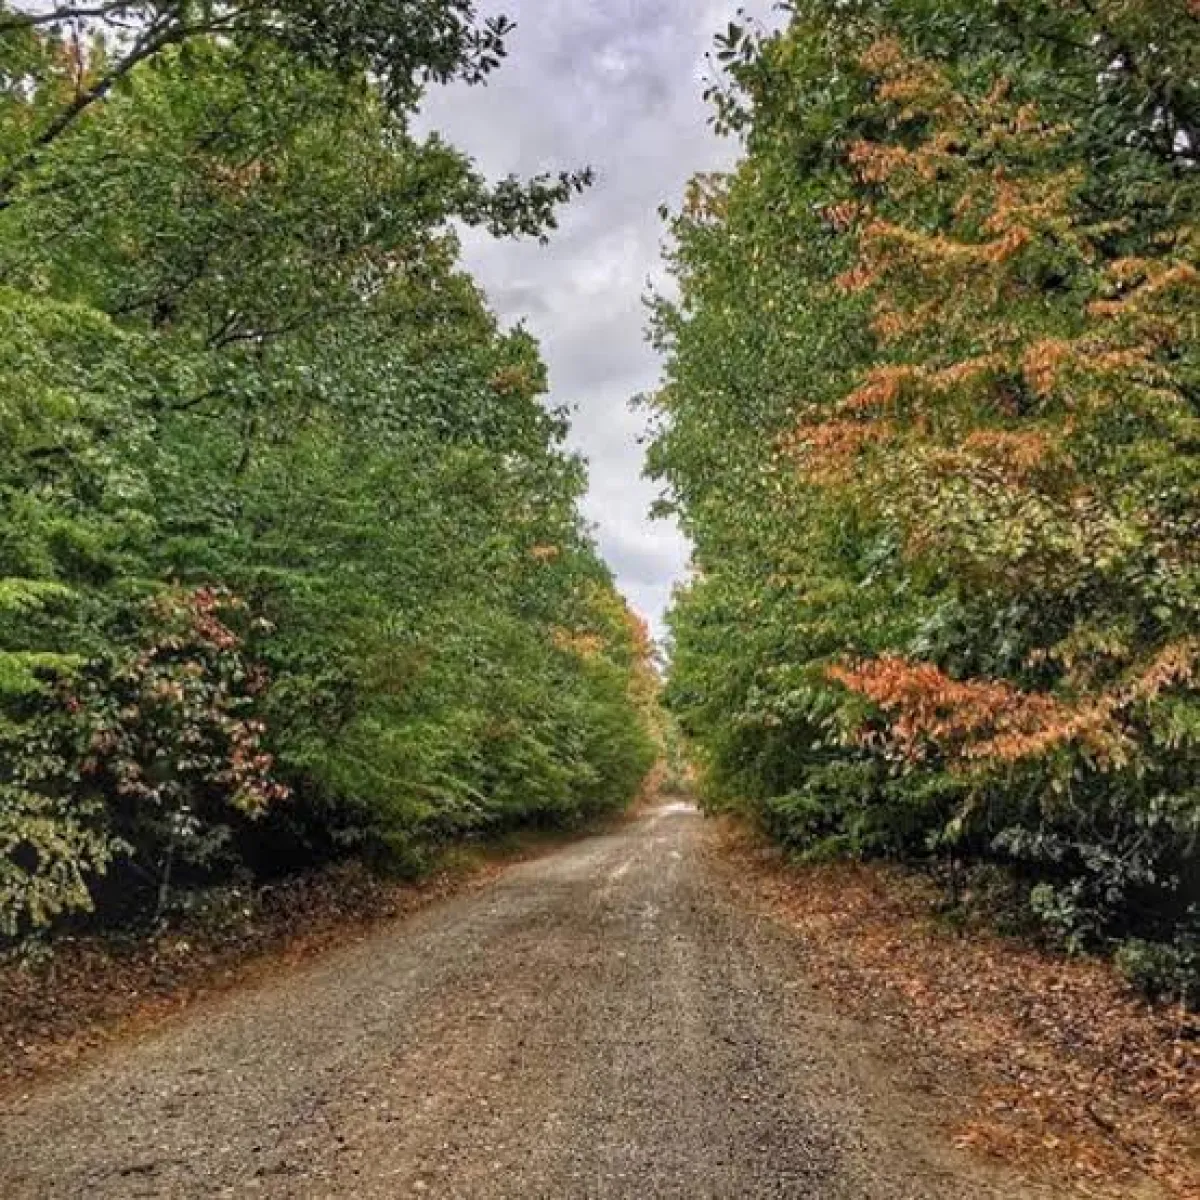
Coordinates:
(602,1022)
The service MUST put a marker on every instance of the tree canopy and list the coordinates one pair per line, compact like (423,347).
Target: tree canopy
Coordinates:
(931,420)
(291,560)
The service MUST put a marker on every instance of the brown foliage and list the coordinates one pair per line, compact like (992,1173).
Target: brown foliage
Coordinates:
(973,721)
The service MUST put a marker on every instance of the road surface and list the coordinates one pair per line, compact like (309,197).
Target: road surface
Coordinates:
(605,1021)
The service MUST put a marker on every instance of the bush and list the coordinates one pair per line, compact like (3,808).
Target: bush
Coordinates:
(1163,972)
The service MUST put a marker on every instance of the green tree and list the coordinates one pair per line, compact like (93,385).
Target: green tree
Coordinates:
(63,59)
(931,422)
(298,567)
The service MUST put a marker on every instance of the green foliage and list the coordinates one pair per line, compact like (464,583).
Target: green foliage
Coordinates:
(60,61)
(930,420)
(291,563)
(50,848)
(1160,971)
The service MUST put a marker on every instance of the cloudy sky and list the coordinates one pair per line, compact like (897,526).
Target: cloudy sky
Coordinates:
(615,84)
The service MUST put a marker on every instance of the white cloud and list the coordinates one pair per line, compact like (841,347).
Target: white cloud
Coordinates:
(614,84)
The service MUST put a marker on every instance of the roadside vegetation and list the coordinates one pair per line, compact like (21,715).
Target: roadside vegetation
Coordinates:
(930,419)
(1052,1064)
(291,563)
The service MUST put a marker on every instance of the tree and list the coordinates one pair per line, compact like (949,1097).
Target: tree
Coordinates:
(75,54)
(938,335)
(299,565)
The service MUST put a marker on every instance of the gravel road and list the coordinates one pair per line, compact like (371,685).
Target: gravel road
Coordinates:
(601,1022)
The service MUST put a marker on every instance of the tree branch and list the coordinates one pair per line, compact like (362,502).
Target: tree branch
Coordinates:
(68,12)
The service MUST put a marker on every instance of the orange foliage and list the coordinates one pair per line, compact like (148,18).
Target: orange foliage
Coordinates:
(977,721)
(881,389)
(917,86)
(843,215)
(1156,280)
(587,646)
(1046,362)
(892,324)
(884,386)
(883,56)
(1175,665)
(514,381)
(828,450)
(859,278)
(877,163)
(639,634)
(889,248)
(1043,204)
(1043,360)
(1018,455)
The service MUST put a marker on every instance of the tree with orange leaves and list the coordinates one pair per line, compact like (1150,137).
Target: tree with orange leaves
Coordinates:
(931,420)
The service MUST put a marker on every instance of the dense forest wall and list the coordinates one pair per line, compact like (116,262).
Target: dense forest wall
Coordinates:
(291,560)
(931,419)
